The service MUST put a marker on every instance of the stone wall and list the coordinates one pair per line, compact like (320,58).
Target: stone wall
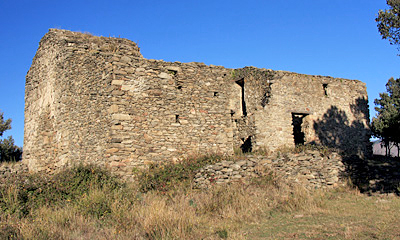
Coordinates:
(97,100)
(67,98)
(310,169)
(333,111)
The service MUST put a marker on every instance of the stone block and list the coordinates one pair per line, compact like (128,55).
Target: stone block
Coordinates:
(112,150)
(127,88)
(120,116)
(125,59)
(165,75)
(113,108)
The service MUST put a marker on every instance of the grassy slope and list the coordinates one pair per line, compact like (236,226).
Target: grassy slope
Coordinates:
(343,215)
(87,203)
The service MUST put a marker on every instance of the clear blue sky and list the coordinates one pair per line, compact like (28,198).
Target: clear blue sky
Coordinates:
(337,38)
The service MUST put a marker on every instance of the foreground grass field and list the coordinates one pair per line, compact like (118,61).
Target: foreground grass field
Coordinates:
(86,202)
(342,215)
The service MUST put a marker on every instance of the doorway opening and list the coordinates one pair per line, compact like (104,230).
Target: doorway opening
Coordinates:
(298,133)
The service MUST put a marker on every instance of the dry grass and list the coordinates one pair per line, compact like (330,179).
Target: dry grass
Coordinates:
(194,214)
(261,209)
(344,214)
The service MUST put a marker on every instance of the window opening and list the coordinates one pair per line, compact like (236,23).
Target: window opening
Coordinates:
(172,72)
(177,119)
(216,94)
(247,145)
(297,122)
(325,86)
(241,84)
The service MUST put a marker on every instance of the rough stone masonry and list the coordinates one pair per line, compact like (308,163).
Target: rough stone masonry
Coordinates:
(97,100)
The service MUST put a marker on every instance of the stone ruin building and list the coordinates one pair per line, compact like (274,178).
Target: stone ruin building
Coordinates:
(97,100)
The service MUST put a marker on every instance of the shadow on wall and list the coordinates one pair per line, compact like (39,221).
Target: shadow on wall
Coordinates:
(369,173)
(336,131)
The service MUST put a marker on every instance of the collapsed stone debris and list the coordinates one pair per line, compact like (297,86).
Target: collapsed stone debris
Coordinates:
(310,169)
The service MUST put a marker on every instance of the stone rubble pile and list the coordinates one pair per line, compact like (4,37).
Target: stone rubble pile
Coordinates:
(225,172)
(310,168)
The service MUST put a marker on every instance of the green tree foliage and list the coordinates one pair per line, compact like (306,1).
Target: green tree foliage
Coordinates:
(386,125)
(8,151)
(4,125)
(389,22)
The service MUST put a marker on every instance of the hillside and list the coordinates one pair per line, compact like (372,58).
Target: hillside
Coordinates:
(87,202)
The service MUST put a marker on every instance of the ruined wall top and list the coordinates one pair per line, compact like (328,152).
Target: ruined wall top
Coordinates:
(87,42)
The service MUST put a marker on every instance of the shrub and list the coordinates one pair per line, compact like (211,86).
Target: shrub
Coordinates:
(266,178)
(222,233)
(21,195)
(164,176)
(96,203)
(323,150)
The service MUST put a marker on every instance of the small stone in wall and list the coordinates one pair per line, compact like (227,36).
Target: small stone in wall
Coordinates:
(165,75)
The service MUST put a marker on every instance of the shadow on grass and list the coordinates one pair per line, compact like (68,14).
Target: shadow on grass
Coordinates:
(377,174)
(367,172)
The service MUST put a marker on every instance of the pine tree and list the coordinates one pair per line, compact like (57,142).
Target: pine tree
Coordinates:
(386,125)
(4,125)
(8,151)
(389,22)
